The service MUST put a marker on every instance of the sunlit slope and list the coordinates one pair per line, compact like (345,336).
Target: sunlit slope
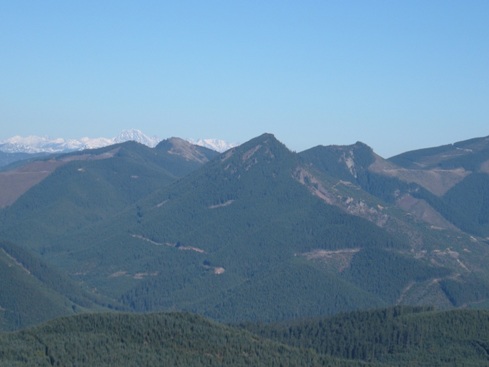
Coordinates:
(243,238)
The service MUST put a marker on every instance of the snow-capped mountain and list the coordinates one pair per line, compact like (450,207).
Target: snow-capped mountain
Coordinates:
(138,136)
(214,144)
(42,144)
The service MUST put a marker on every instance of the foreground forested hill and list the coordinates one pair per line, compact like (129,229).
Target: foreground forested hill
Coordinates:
(397,336)
(165,339)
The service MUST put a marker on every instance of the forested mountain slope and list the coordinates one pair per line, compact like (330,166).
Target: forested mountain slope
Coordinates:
(444,186)
(465,201)
(258,232)
(246,237)
(79,189)
(32,292)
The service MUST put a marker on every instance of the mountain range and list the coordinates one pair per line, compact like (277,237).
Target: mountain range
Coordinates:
(39,144)
(256,233)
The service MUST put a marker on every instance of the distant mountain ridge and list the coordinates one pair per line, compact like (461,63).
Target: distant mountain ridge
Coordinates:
(41,144)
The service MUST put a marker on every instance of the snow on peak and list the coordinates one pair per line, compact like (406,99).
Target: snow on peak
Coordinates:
(215,144)
(43,144)
(137,136)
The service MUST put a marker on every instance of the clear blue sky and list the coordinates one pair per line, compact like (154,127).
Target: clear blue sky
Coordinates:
(397,75)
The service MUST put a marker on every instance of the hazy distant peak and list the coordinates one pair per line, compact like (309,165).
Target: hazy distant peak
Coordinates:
(215,144)
(137,136)
(43,144)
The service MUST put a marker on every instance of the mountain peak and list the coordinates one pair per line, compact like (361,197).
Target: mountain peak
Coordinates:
(362,145)
(137,136)
(263,149)
(215,144)
(271,146)
(183,148)
(266,139)
(343,161)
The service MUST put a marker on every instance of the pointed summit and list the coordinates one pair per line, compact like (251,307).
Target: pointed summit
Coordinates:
(262,148)
(137,136)
(266,139)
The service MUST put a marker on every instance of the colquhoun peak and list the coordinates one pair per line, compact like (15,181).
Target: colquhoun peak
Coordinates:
(185,149)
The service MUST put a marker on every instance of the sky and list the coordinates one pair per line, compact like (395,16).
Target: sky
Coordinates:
(396,75)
